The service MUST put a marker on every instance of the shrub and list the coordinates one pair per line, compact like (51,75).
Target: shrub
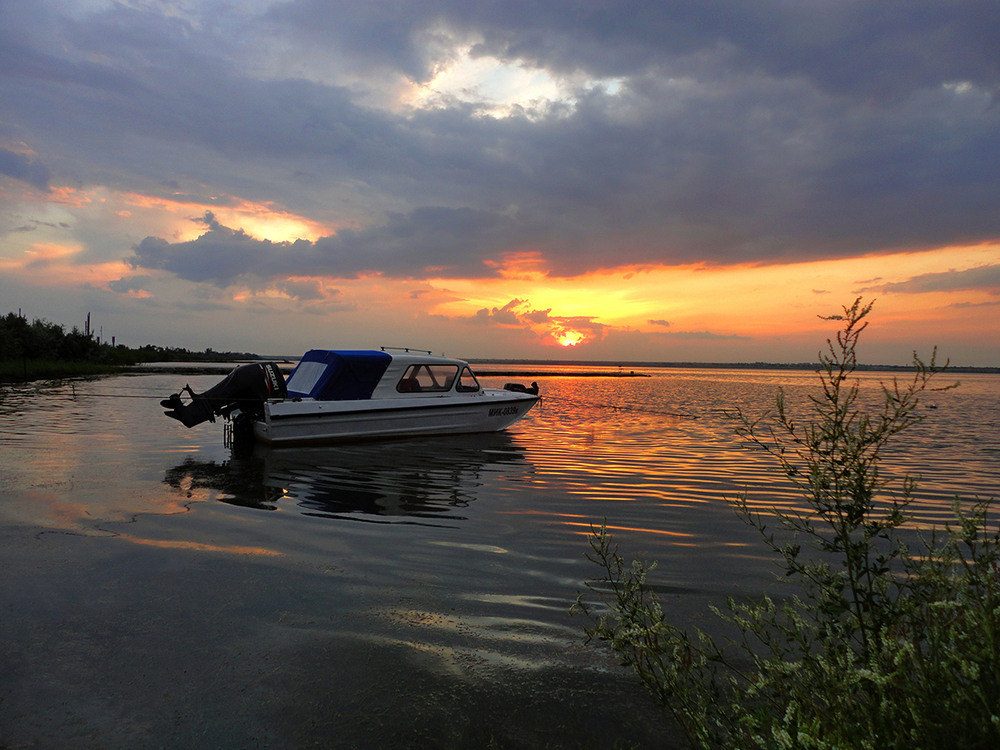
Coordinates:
(888,639)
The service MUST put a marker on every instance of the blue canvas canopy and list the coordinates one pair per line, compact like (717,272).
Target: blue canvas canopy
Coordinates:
(329,375)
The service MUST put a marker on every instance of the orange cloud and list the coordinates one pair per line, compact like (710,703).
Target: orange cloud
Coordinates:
(54,264)
(49,252)
(261,220)
(548,329)
(745,301)
(43,256)
(64,195)
(521,265)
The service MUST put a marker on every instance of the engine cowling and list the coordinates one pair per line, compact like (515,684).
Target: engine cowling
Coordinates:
(245,388)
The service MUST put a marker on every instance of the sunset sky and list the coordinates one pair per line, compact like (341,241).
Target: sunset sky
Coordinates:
(560,179)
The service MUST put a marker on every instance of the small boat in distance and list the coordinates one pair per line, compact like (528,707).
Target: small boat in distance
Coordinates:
(336,395)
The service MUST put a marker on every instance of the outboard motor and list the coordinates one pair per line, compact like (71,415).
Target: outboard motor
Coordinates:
(245,388)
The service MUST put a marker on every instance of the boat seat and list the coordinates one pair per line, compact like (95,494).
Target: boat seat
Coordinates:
(408,385)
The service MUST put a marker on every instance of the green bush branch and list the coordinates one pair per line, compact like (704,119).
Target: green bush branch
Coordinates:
(879,645)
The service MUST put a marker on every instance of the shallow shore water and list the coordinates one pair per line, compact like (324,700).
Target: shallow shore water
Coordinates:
(159,590)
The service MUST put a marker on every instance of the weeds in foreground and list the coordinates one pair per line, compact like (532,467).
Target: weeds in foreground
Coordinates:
(884,642)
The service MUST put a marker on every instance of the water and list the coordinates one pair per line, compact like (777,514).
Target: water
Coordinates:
(159,590)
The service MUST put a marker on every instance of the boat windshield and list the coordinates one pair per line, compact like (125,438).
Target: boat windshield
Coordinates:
(467,383)
(427,378)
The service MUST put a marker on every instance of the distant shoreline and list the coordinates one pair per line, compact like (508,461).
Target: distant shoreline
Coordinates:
(509,368)
(523,368)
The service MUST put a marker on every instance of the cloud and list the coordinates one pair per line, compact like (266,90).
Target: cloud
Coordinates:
(137,283)
(305,289)
(859,49)
(506,315)
(985,278)
(443,242)
(379,35)
(539,316)
(220,256)
(663,323)
(21,167)
(973,305)
(705,335)
(549,329)
(744,134)
(722,134)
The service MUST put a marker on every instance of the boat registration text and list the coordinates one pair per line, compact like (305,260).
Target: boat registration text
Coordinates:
(503,411)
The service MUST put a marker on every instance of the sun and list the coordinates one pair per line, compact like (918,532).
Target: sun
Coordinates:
(569,338)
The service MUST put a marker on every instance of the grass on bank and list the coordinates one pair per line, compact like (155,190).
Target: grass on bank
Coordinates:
(43,369)
(886,639)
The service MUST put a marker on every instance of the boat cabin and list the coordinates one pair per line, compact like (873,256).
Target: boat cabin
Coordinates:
(346,375)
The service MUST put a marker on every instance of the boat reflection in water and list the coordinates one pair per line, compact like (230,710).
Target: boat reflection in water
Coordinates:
(414,480)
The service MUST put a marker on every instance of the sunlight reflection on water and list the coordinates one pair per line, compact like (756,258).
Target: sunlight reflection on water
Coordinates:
(655,455)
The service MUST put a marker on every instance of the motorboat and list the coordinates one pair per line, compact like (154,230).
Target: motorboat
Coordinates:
(334,395)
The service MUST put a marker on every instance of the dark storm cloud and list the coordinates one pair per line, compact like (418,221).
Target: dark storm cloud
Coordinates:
(377,34)
(222,255)
(429,241)
(165,102)
(879,47)
(737,131)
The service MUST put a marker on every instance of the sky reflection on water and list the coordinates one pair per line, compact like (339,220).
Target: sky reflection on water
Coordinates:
(658,457)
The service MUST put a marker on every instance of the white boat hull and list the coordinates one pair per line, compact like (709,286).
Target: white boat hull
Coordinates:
(309,421)
(341,394)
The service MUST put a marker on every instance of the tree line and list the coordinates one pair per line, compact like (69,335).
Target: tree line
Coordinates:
(41,340)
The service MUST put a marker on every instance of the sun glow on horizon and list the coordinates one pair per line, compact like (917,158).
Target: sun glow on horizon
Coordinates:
(570,338)
(697,307)
(517,306)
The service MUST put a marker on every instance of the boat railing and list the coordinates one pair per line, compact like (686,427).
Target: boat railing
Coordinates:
(407,349)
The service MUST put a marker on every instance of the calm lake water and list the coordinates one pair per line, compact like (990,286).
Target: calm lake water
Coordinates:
(159,591)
